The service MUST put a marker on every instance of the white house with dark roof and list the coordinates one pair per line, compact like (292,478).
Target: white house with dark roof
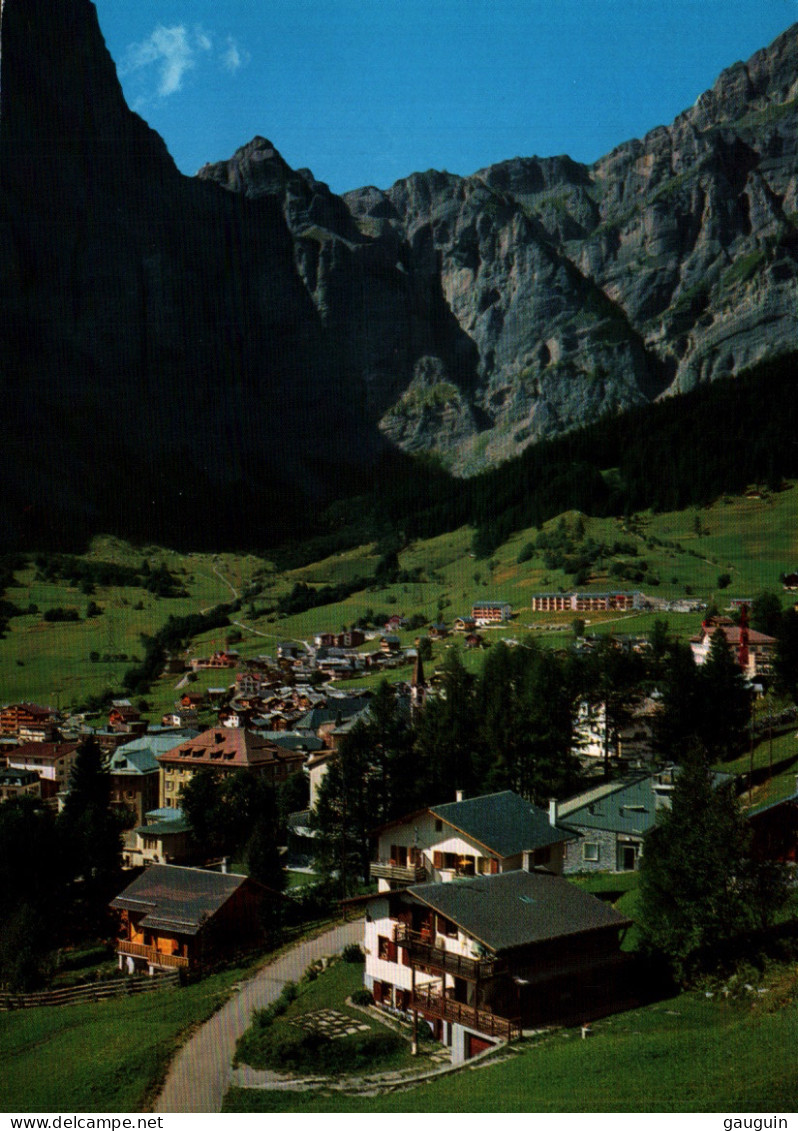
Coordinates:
(488,835)
(483,958)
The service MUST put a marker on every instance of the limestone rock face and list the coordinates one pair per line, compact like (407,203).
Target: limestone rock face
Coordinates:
(541,293)
(246,332)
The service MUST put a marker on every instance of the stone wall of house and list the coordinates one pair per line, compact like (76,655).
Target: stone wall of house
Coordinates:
(579,858)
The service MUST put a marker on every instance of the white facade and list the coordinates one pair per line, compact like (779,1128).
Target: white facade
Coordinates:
(424,840)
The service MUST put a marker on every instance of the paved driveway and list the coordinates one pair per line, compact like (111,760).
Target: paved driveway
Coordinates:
(199,1074)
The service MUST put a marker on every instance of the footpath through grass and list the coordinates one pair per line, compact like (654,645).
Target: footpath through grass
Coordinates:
(688,1054)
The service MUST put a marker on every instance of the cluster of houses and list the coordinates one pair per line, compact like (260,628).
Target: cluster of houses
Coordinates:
(475,928)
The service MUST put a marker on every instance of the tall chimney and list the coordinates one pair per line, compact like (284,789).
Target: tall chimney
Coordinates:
(552,811)
(459,795)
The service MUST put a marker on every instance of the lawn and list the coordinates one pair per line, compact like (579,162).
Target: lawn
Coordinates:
(105,1056)
(267,1044)
(687,1054)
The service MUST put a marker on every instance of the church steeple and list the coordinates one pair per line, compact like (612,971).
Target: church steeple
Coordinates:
(418,684)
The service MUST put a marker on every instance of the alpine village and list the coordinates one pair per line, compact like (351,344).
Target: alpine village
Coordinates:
(463,733)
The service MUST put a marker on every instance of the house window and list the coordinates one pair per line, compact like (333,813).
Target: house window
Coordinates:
(447,927)
(590,852)
(386,949)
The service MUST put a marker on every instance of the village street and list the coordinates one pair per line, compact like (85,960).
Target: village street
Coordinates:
(199,1075)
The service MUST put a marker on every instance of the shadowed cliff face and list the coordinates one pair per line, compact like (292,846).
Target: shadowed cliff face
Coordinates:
(154,325)
(207,347)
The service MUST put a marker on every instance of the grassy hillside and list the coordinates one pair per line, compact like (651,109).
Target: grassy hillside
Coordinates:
(751,540)
(690,1054)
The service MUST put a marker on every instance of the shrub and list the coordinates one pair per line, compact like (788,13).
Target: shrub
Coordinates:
(362,997)
(353,953)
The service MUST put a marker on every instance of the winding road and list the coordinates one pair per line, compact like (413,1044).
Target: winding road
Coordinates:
(199,1075)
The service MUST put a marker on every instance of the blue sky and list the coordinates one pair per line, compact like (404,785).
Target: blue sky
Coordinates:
(367,91)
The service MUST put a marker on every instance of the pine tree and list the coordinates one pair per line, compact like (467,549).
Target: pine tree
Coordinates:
(699,884)
(91,828)
(725,699)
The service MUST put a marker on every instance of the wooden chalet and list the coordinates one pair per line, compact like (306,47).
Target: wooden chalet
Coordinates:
(17,717)
(482,959)
(187,918)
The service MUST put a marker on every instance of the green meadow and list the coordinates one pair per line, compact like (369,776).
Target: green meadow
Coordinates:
(691,1053)
(750,540)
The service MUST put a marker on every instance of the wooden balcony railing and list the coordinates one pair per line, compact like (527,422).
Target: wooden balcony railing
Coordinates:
(399,873)
(151,953)
(424,952)
(482,1020)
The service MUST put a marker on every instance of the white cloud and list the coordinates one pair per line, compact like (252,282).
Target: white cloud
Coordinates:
(233,57)
(169,53)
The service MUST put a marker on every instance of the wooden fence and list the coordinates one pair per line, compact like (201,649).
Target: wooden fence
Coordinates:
(91,991)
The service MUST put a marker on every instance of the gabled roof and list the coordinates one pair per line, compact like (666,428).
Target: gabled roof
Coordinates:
(124,761)
(628,805)
(178,899)
(502,822)
(516,909)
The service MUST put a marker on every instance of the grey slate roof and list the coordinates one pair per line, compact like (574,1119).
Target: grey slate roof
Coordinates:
(503,822)
(518,908)
(178,899)
(625,806)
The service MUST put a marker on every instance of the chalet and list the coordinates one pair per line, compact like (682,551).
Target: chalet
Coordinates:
(790,581)
(438,631)
(164,837)
(491,612)
(17,716)
(324,639)
(226,750)
(51,761)
(19,783)
(488,835)
(352,638)
(390,644)
(395,622)
(126,718)
(191,700)
(217,661)
(474,640)
(754,651)
(482,959)
(464,624)
(172,917)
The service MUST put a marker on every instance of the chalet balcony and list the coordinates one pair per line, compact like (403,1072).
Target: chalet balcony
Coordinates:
(483,1020)
(423,951)
(398,873)
(154,956)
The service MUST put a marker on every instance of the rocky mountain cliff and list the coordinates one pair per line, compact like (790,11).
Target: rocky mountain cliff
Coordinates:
(246,333)
(484,312)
